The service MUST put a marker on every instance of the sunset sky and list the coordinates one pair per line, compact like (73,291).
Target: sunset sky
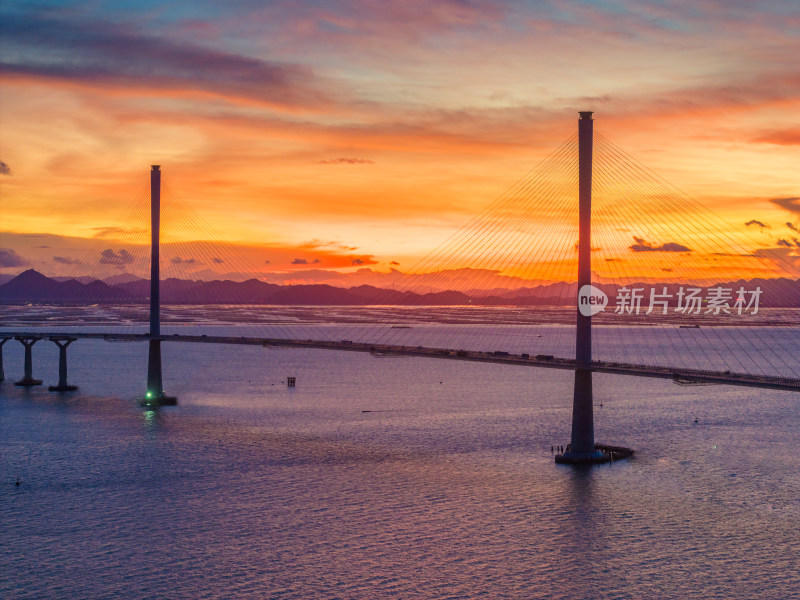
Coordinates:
(344,135)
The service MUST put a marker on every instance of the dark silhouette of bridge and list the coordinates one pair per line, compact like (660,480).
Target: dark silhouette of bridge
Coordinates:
(582,448)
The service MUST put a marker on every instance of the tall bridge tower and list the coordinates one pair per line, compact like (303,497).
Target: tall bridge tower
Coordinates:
(582,448)
(154,396)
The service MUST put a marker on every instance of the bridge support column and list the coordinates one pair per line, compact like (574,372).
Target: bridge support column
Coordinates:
(154,396)
(63,386)
(28,380)
(2,372)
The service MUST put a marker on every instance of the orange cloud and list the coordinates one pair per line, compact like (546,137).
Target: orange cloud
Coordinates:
(783,137)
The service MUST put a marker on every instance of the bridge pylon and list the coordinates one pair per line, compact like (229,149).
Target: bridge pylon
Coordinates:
(154,396)
(582,449)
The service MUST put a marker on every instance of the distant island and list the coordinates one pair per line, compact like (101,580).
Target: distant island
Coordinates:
(32,287)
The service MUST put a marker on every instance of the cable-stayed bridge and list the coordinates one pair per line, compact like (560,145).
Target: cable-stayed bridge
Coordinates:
(594,237)
(680,375)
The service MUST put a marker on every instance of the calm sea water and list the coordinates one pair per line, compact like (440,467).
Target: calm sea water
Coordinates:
(386,478)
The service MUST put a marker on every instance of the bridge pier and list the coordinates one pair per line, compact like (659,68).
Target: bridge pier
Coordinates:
(2,372)
(28,380)
(63,386)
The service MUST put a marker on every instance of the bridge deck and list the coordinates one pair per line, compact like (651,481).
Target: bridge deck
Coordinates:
(549,362)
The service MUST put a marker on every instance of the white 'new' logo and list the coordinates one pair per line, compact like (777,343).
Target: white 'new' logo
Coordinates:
(591,300)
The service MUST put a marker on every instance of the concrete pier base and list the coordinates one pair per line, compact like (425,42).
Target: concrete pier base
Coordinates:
(152,402)
(602,453)
(582,458)
(28,379)
(62,386)
(28,382)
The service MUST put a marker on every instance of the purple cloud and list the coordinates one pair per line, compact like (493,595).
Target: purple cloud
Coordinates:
(117,259)
(10,258)
(65,260)
(642,245)
(304,261)
(59,46)
(755,222)
(177,260)
(790,204)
